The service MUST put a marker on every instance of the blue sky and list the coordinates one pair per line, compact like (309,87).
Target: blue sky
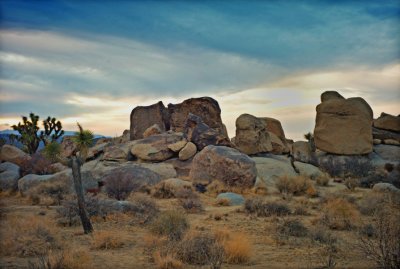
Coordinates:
(93,61)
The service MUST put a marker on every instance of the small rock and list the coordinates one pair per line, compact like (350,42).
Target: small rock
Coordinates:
(152,130)
(188,151)
(234,198)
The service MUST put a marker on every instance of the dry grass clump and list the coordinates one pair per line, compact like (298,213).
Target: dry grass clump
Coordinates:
(373,202)
(192,205)
(55,192)
(340,214)
(172,224)
(106,240)
(167,261)
(237,246)
(264,208)
(200,249)
(28,236)
(351,183)
(67,259)
(328,253)
(323,180)
(293,185)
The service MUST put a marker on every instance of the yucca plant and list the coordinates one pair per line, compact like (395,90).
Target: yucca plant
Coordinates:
(83,140)
(52,151)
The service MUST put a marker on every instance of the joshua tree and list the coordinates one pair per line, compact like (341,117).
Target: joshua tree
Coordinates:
(29,132)
(52,130)
(83,139)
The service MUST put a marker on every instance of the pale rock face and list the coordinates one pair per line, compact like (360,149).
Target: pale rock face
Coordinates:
(176,147)
(251,135)
(344,126)
(9,175)
(13,154)
(302,151)
(171,187)
(277,145)
(155,148)
(274,126)
(388,122)
(188,151)
(225,164)
(152,130)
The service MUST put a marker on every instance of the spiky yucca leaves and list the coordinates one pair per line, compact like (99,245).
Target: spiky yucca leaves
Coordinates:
(28,130)
(83,140)
(52,130)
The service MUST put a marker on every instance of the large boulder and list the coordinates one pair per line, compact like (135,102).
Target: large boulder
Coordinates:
(344,126)
(271,168)
(188,151)
(309,170)
(182,168)
(152,130)
(388,122)
(31,180)
(386,187)
(205,107)
(233,198)
(278,147)
(13,154)
(388,152)
(67,147)
(202,135)
(330,95)
(225,164)
(383,135)
(164,170)
(135,176)
(274,126)
(251,135)
(155,148)
(172,187)
(9,175)
(97,150)
(115,154)
(142,117)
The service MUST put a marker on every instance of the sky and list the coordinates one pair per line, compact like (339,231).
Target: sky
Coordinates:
(94,61)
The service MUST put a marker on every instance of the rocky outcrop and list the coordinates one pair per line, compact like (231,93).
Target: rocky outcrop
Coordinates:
(309,170)
(143,117)
(188,151)
(225,164)
(388,122)
(67,147)
(386,187)
(152,130)
(137,177)
(330,95)
(344,126)
(13,154)
(172,187)
(270,169)
(251,135)
(383,135)
(97,150)
(164,170)
(182,168)
(9,175)
(204,107)
(155,148)
(202,135)
(274,126)
(31,180)
(277,145)
(115,154)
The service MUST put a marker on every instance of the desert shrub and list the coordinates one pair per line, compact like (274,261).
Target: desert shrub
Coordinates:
(143,208)
(350,167)
(201,249)
(37,164)
(237,247)
(351,183)
(383,244)
(106,240)
(293,185)
(300,211)
(55,190)
(311,191)
(119,187)
(340,214)
(323,180)
(192,205)
(328,253)
(52,151)
(322,236)
(217,187)
(374,202)
(27,236)
(167,261)
(172,224)
(264,208)
(293,227)
(67,259)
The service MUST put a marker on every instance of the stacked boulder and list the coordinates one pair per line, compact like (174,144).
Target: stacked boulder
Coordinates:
(343,126)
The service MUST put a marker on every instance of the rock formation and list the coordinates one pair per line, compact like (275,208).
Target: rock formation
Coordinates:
(343,126)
